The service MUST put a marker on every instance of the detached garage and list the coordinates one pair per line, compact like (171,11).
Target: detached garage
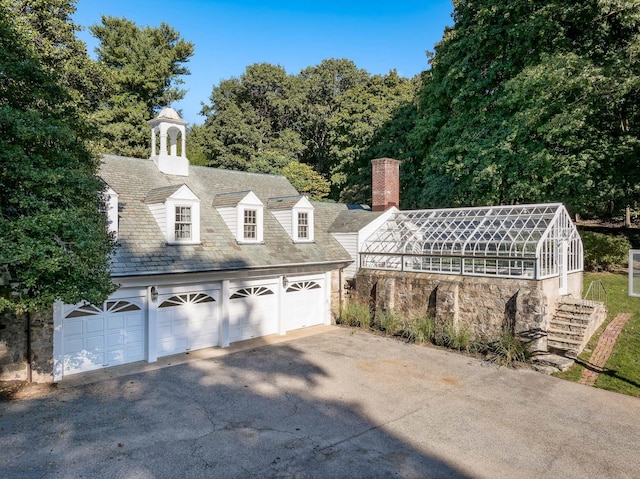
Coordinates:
(204,257)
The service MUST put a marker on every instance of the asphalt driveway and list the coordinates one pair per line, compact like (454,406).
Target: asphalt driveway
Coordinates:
(335,404)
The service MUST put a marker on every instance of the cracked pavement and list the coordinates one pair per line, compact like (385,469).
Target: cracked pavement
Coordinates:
(335,404)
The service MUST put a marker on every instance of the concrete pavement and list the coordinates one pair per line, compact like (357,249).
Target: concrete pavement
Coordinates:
(340,403)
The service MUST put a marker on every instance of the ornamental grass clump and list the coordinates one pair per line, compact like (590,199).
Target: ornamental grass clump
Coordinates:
(508,350)
(356,315)
(419,329)
(389,322)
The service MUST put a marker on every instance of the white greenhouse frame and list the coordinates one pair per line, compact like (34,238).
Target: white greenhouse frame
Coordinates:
(522,241)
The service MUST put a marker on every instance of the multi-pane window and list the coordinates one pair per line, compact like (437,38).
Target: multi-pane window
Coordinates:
(250,224)
(303,225)
(183,223)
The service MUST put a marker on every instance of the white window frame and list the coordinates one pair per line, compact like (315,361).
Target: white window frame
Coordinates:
(249,226)
(259,237)
(172,208)
(180,212)
(295,225)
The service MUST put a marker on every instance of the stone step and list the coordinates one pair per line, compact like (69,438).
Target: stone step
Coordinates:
(560,363)
(571,317)
(575,309)
(570,300)
(560,335)
(565,344)
(568,326)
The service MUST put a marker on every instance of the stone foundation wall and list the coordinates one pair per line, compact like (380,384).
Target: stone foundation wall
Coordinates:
(13,346)
(483,306)
(335,294)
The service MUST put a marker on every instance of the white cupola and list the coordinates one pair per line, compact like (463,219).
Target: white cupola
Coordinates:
(169,158)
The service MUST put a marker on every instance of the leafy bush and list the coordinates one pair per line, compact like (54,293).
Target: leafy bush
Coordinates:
(604,252)
(356,315)
(508,350)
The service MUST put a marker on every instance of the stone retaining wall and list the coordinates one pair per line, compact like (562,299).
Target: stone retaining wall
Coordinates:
(483,306)
(13,346)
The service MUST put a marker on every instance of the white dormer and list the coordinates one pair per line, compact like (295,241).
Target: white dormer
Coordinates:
(295,215)
(167,157)
(177,212)
(112,211)
(243,213)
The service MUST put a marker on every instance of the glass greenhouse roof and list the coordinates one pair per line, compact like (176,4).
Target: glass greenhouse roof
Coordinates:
(475,240)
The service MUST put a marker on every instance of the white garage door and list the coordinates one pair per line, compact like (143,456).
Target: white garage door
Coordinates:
(187,322)
(253,312)
(304,304)
(95,337)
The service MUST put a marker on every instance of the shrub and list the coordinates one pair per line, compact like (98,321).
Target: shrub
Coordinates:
(355,314)
(604,252)
(508,350)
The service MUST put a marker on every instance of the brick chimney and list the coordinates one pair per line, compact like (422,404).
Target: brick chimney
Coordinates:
(385,188)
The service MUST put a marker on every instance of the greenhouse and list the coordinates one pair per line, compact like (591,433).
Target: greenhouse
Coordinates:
(523,241)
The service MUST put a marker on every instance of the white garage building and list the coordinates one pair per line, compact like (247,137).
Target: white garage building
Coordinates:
(205,257)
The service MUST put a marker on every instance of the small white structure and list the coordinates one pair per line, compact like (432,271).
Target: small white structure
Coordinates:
(167,158)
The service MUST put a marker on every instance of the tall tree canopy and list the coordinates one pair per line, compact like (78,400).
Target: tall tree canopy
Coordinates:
(53,237)
(533,100)
(325,118)
(144,66)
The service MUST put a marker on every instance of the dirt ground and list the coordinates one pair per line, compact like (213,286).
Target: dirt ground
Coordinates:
(19,390)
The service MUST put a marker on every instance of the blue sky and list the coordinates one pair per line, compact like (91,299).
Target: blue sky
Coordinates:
(230,35)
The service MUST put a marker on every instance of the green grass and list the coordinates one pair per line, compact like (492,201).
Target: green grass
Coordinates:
(622,371)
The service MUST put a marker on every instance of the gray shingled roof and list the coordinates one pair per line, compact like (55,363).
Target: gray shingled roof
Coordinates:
(159,195)
(229,199)
(283,202)
(142,248)
(353,220)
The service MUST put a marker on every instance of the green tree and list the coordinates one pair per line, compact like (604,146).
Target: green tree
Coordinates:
(530,101)
(50,28)
(374,121)
(307,181)
(145,66)
(325,117)
(251,122)
(54,242)
(324,87)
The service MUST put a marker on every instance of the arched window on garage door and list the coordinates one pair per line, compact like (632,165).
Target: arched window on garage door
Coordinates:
(189,298)
(248,292)
(302,286)
(107,307)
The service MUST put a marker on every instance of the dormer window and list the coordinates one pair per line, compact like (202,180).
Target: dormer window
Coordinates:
(250,225)
(295,215)
(183,223)
(243,213)
(177,212)
(303,225)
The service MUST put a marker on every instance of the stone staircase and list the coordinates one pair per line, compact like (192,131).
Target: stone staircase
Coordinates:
(573,324)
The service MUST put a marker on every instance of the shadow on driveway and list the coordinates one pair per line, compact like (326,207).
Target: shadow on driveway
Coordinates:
(266,412)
